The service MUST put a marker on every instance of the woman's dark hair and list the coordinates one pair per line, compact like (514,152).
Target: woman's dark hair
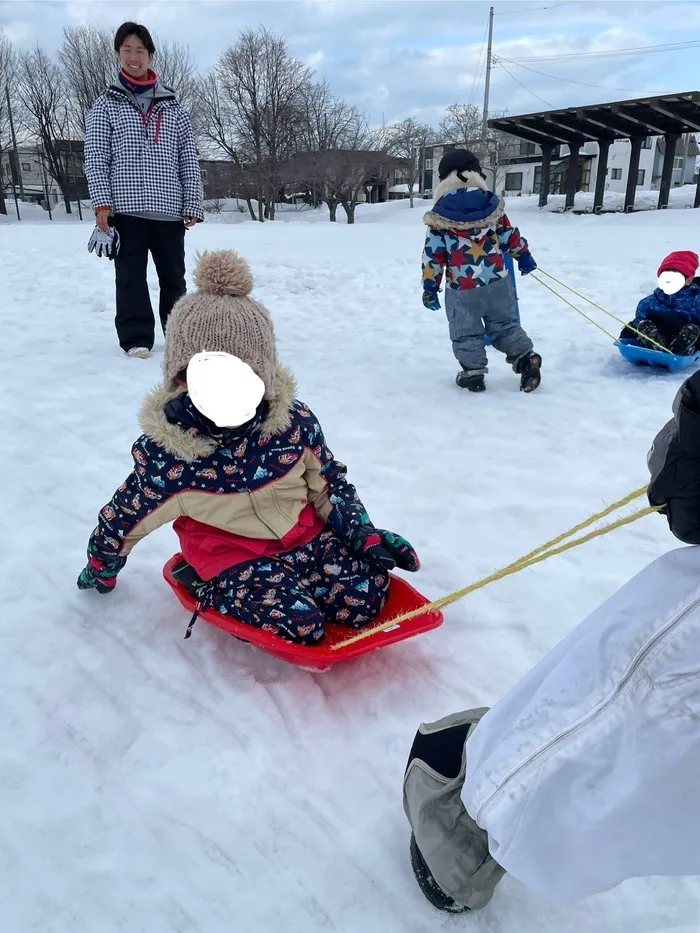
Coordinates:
(133,29)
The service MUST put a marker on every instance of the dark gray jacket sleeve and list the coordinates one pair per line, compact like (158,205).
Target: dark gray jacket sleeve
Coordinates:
(674,464)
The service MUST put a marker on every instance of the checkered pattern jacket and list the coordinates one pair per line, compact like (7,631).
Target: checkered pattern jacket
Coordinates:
(135,168)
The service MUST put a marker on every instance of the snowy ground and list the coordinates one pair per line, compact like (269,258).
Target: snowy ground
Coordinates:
(156,785)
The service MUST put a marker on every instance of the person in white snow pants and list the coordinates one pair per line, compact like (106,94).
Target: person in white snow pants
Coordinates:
(586,773)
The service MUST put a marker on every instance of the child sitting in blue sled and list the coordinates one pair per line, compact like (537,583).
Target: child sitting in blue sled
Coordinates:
(670,316)
(271,532)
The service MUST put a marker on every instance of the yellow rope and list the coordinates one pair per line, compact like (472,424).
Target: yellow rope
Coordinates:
(599,307)
(536,556)
(566,301)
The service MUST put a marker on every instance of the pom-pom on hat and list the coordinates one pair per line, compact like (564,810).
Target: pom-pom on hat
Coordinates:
(221,317)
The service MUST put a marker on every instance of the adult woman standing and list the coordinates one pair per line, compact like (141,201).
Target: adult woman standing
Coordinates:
(144,179)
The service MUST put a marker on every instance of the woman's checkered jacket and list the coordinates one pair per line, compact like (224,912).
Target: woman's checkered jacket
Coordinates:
(134,166)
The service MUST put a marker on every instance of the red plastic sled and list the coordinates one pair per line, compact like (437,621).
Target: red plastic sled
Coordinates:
(402,598)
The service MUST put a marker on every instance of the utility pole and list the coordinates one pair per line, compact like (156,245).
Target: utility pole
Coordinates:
(18,167)
(487,81)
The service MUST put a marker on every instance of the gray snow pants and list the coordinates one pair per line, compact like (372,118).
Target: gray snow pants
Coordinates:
(455,849)
(489,310)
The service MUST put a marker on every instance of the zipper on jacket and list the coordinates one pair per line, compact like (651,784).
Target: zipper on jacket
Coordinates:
(627,675)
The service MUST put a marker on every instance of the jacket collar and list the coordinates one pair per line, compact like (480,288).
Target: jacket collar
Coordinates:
(190,443)
(453,183)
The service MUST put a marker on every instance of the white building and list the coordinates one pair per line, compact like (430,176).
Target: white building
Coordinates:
(521,168)
(31,170)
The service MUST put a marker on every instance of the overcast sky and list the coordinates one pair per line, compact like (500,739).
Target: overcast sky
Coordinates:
(414,57)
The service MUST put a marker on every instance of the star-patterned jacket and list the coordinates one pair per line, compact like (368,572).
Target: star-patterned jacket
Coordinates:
(234,496)
(468,235)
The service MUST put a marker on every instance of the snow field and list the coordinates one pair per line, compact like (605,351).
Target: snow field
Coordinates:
(152,784)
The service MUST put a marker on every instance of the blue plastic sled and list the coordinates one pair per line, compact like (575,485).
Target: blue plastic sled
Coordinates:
(643,357)
(511,273)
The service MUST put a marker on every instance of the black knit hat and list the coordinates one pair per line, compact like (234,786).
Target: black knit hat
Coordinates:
(458,160)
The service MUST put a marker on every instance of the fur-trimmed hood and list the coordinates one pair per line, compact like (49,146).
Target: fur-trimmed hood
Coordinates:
(190,445)
(464,204)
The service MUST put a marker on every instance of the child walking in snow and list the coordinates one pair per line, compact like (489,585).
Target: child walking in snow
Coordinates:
(670,316)
(271,529)
(468,235)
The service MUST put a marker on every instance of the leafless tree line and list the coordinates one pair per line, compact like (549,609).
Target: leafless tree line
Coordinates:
(263,109)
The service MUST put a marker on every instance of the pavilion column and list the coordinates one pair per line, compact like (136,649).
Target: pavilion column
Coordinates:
(631,191)
(603,152)
(667,170)
(697,193)
(546,173)
(572,175)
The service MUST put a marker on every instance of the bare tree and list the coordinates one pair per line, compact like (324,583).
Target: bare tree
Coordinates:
(45,111)
(326,121)
(341,176)
(87,60)
(500,149)
(176,70)
(214,125)
(407,140)
(259,87)
(7,67)
(329,129)
(461,123)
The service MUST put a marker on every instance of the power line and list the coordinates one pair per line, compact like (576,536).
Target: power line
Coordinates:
(533,9)
(610,53)
(477,73)
(518,81)
(601,87)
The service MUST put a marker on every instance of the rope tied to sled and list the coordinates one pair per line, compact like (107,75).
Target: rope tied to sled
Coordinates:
(597,306)
(538,555)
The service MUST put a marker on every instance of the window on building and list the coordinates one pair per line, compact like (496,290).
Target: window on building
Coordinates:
(428,165)
(204,173)
(527,149)
(646,142)
(678,163)
(26,166)
(616,174)
(641,174)
(514,181)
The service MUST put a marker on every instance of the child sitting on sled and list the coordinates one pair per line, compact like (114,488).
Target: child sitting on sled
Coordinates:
(272,531)
(468,236)
(670,316)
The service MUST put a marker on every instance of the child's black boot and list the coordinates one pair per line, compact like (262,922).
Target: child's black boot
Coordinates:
(685,341)
(466,379)
(528,368)
(432,891)
(648,336)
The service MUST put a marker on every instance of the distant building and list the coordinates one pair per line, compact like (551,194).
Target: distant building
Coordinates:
(220,179)
(375,172)
(27,172)
(28,167)
(520,167)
